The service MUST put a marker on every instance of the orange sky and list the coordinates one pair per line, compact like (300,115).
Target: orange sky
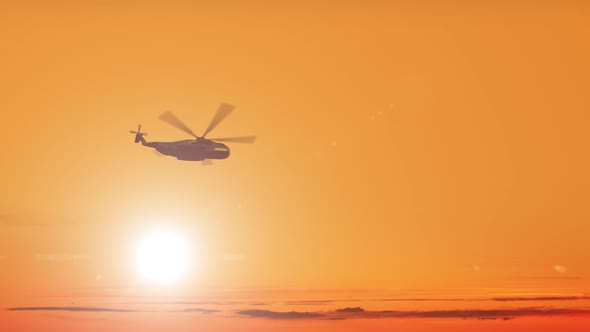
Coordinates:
(400,146)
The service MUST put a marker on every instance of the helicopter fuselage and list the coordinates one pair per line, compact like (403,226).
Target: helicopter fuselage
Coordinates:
(192,150)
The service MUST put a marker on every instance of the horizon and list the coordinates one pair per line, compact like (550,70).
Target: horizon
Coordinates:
(416,166)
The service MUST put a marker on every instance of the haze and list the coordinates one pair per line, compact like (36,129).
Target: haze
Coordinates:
(413,147)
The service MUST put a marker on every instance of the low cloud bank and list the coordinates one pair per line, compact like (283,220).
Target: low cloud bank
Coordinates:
(346,313)
(278,314)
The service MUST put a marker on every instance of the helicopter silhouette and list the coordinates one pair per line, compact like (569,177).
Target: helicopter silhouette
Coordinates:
(198,149)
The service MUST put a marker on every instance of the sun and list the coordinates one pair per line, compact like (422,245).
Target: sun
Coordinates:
(162,257)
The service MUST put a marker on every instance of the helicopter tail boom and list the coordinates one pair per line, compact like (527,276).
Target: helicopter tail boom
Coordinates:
(139,138)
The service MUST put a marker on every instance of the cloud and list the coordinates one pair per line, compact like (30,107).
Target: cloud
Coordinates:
(495,318)
(356,309)
(488,313)
(427,299)
(73,318)
(199,310)
(277,314)
(94,309)
(308,302)
(541,298)
(346,313)
(83,309)
(350,313)
(223,303)
(61,257)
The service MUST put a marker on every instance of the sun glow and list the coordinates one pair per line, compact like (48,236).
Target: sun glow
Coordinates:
(162,257)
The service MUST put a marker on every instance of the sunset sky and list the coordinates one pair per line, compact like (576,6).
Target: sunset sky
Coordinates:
(424,161)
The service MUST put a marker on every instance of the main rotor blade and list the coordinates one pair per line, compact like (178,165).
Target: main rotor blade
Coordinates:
(222,112)
(171,119)
(243,139)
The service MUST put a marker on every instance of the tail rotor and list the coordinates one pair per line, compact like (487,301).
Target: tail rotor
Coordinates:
(138,134)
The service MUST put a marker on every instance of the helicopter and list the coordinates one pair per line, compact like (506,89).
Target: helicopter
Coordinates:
(199,149)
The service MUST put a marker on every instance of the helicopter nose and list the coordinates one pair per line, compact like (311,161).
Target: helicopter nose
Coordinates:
(222,151)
